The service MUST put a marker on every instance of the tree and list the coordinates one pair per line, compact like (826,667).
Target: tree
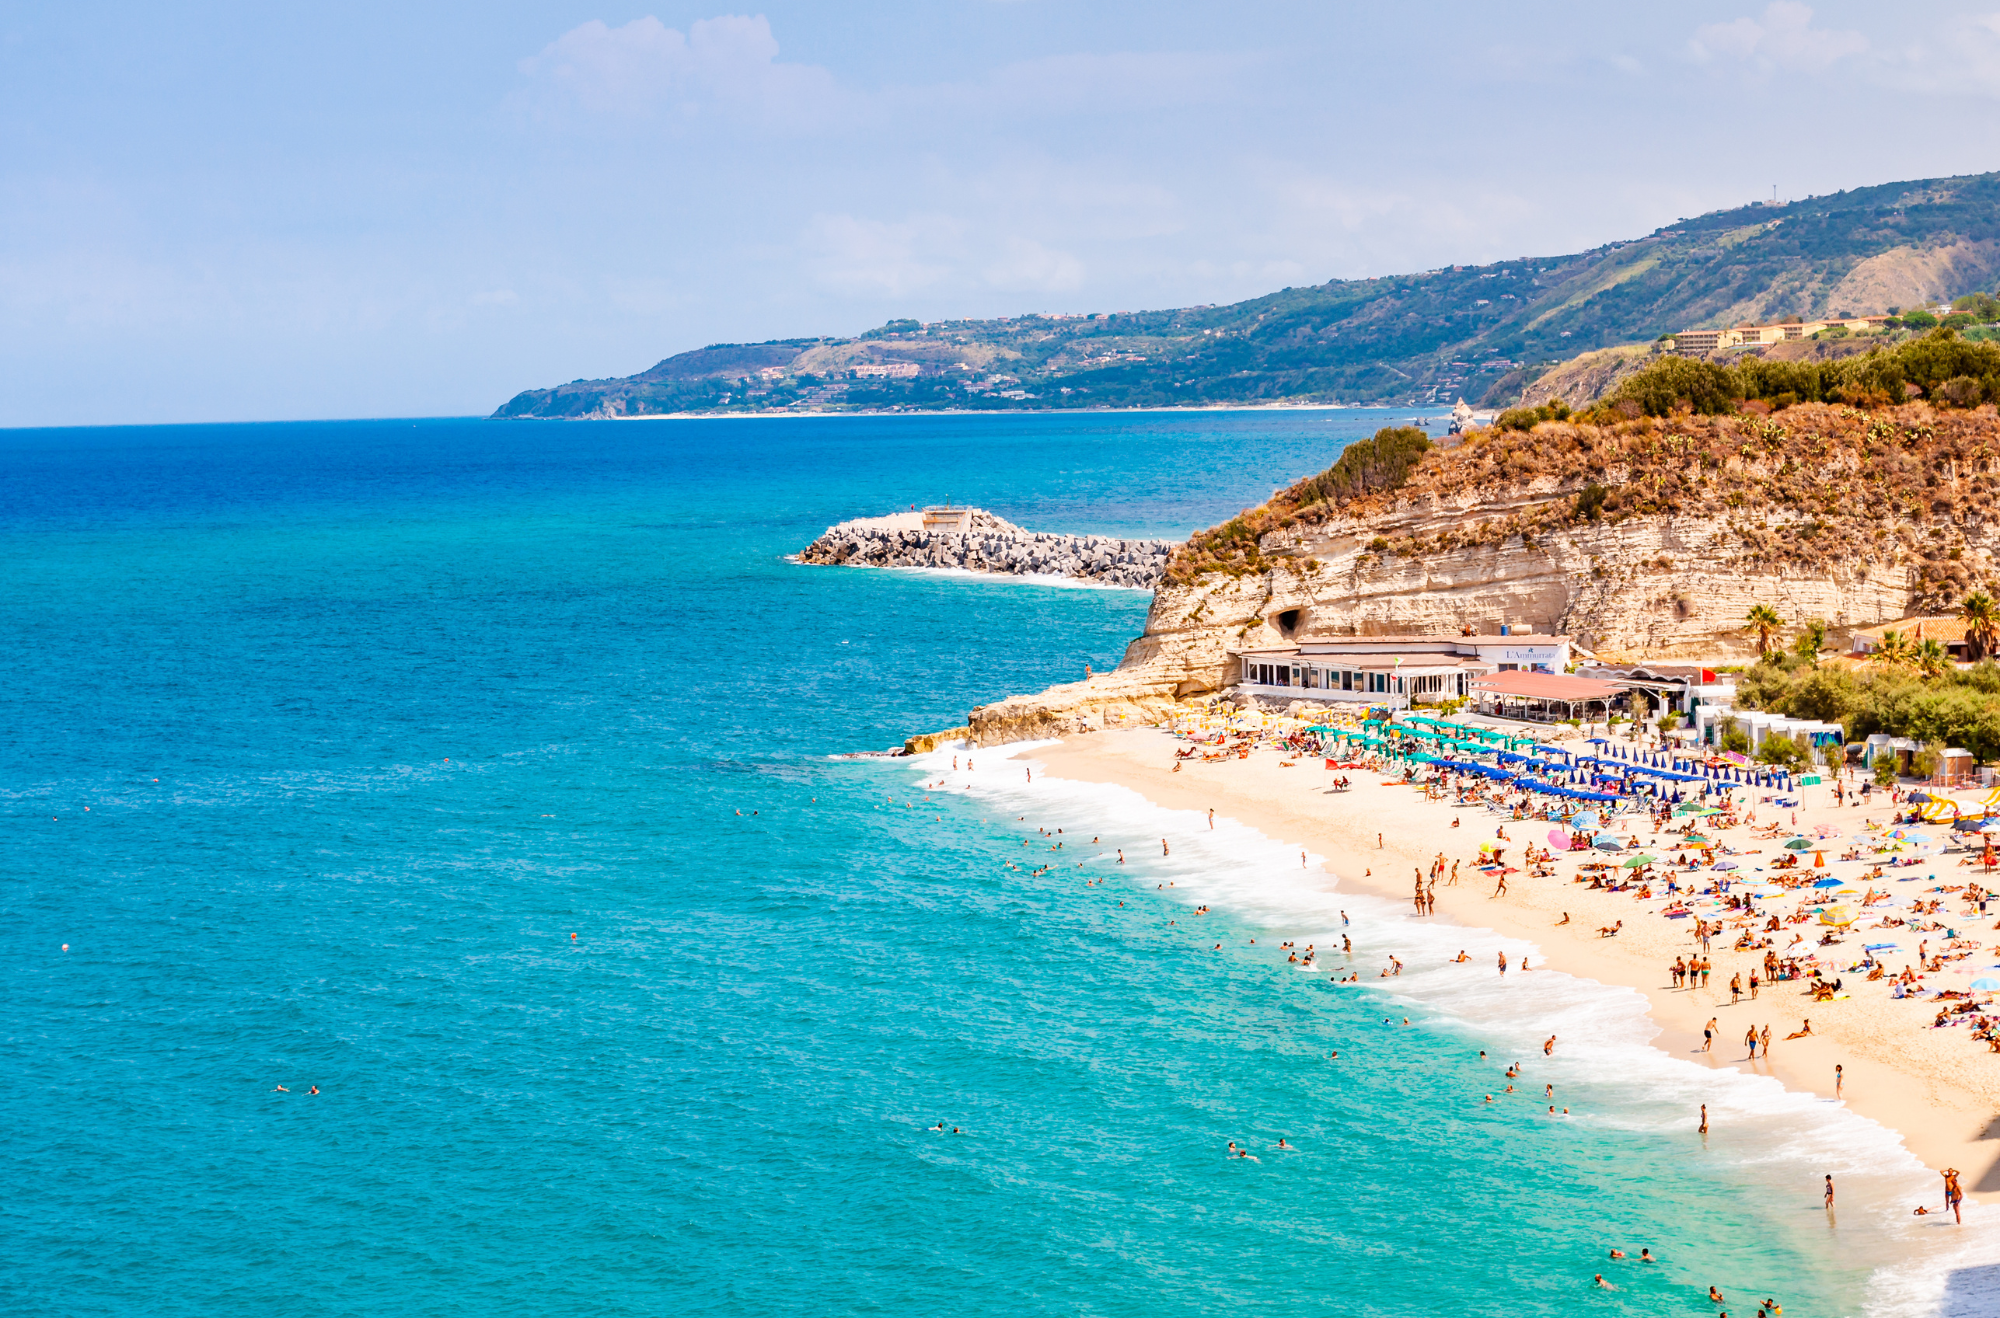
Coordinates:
(1895,649)
(1932,659)
(1885,768)
(1734,738)
(1981,616)
(1812,640)
(1764,621)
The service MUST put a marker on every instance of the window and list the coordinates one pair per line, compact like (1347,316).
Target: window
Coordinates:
(1346,680)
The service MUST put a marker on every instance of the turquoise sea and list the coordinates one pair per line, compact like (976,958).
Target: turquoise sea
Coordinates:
(486,776)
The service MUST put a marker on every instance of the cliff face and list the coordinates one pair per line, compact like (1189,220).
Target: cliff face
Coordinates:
(1646,539)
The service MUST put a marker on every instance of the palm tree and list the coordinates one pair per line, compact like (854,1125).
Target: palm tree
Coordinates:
(1763,620)
(1894,649)
(1982,618)
(1932,659)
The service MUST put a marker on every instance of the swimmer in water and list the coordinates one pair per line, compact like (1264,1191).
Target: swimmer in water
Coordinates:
(280,1089)
(1646,1256)
(1715,1296)
(313,1090)
(1604,1285)
(1282,1144)
(1618,1253)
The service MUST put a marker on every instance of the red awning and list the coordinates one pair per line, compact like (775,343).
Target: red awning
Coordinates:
(1547,686)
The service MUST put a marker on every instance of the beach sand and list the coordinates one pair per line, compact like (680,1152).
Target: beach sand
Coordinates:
(1938,1088)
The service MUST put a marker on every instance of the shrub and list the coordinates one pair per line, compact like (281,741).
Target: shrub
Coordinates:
(1382,462)
(1919,320)
(1590,501)
(1885,769)
(1676,382)
(1527,418)
(1960,391)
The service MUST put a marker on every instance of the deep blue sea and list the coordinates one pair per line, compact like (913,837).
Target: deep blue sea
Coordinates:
(485,775)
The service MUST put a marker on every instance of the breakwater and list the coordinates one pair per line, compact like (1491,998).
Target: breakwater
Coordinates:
(978,541)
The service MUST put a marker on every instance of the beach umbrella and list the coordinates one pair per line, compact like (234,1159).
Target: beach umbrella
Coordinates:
(1725,864)
(1827,883)
(1636,862)
(1558,839)
(1919,797)
(1986,983)
(1605,842)
(1798,844)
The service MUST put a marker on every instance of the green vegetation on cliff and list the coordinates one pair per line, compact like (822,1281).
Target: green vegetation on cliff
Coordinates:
(1940,365)
(1807,486)
(1479,332)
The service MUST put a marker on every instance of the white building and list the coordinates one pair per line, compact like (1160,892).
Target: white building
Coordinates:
(1394,670)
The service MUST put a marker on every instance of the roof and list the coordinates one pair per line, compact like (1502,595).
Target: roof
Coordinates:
(1945,631)
(1434,638)
(1547,686)
(1650,672)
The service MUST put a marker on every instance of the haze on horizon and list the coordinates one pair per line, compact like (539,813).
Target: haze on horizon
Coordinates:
(220,211)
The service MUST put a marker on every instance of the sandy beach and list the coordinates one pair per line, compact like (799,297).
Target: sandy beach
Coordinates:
(1938,1087)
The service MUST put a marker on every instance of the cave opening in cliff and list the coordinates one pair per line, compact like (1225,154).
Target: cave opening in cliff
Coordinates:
(1288,622)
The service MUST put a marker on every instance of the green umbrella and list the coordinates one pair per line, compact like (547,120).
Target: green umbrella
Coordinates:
(1634,862)
(1800,844)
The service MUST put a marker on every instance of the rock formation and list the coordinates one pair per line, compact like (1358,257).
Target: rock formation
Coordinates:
(1644,539)
(990,544)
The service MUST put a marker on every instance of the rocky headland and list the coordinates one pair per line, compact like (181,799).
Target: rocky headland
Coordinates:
(975,540)
(1640,536)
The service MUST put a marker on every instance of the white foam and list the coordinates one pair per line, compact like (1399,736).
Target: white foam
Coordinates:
(1780,1138)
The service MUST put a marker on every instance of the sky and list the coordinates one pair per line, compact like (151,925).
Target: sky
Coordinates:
(252,211)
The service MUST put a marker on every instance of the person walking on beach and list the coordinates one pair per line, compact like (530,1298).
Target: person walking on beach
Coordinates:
(1829,1194)
(1953,1196)
(1750,1041)
(1501,890)
(1703,1128)
(1503,963)
(1838,1077)
(1708,1035)
(1735,988)
(1765,1039)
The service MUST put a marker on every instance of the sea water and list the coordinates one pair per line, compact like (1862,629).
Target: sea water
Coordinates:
(492,778)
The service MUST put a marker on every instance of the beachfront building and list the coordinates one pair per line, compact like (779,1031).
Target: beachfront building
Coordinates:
(1828,740)
(1752,336)
(1396,671)
(1948,632)
(1677,687)
(1545,697)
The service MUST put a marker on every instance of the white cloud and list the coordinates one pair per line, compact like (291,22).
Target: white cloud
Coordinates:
(1023,263)
(1784,38)
(852,255)
(645,69)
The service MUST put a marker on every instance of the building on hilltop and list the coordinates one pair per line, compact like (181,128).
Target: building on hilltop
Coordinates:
(1751,336)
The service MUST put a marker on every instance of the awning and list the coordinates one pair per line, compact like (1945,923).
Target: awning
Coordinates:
(1546,686)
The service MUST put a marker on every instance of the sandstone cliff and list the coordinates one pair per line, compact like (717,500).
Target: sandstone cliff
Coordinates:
(1648,538)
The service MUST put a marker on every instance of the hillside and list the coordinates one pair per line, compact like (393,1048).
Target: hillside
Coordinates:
(1640,536)
(1484,332)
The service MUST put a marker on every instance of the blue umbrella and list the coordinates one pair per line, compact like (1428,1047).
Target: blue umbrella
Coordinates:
(1828,883)
(1986,982)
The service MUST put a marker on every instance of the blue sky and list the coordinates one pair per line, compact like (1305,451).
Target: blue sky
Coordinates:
(237,211)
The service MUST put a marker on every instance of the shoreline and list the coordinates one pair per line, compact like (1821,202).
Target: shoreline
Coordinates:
(981,411)
(1937,1089)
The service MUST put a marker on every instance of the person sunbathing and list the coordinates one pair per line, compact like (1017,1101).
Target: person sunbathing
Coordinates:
(1803,1030)
(1610,931)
